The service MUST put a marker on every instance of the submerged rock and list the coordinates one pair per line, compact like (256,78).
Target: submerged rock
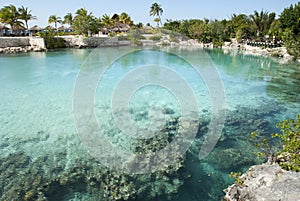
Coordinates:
(265,182)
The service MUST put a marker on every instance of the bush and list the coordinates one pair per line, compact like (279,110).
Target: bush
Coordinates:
(124,37)
(52,42)
(135,37)
(289,157)
(292,43)
(155,37)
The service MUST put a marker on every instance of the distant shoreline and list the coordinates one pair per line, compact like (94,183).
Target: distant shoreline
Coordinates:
(13,45)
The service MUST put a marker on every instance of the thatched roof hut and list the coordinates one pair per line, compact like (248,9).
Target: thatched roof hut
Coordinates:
(62,28)
(35,28)
(48,28)
(120,27)
(115,16)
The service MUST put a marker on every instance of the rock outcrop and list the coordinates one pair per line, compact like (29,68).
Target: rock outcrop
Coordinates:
(88,42)
(21,44)
(266,182)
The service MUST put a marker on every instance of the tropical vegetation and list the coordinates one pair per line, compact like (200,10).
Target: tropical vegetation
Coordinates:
(54,19)
(288,155)
(25,15)
(156,10)
(259,26)
(11,16)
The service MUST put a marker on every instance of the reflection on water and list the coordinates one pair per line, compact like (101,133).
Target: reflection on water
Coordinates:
(42,158)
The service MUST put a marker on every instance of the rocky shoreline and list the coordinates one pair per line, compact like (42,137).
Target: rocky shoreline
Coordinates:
(278,52)
(16,45)
(265,182)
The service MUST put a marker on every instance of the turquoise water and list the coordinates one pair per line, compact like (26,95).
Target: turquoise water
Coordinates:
(43,157)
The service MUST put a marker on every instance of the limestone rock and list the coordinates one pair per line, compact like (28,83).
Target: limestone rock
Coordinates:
(266,182)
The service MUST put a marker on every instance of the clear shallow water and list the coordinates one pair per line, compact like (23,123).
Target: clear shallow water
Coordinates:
(42,155)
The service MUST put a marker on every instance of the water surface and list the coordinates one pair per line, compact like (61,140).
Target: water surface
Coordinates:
(42,157)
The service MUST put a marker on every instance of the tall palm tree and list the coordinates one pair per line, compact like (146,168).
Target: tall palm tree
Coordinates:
(10,15)
(54,19)
(25,14)
(156,10)
(68,19)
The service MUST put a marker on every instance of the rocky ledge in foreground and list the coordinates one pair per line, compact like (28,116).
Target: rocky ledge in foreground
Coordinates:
(266,182)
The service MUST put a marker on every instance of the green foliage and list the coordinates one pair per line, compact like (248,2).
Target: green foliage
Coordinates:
(135,36)
(51,41)
(125,19)
(85,23)
(240,25)
(10,15)
(292,43)
(262,22)
(123,37)
(237,177)
(68,19)
(266,150)
(290,137)
(275,29)
(290,18)
(54,19)
(155,37)
(289,157)
(290,24)
(25,15)
(204,30)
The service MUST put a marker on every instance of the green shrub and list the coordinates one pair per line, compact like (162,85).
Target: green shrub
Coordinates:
(264,145)
(217,43)
(289,156)
(52,42)
(174,39)
(135,37)
(237,177)
(124,37)
(155,37)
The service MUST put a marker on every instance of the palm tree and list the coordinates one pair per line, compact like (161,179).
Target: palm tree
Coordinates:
(54,19)
(82,12)
(68,19)
(106,20)
(10,15)
(262,21)
(85,22)
(26,15)
(125,18)
(156,10)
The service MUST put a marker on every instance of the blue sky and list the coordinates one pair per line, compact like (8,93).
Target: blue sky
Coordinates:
(139,9)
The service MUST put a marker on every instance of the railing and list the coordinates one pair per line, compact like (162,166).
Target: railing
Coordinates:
(264,44)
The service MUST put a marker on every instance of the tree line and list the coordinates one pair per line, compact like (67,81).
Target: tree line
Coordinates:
(245,27)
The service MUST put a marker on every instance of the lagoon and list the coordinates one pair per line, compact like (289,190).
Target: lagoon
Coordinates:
(44,155)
